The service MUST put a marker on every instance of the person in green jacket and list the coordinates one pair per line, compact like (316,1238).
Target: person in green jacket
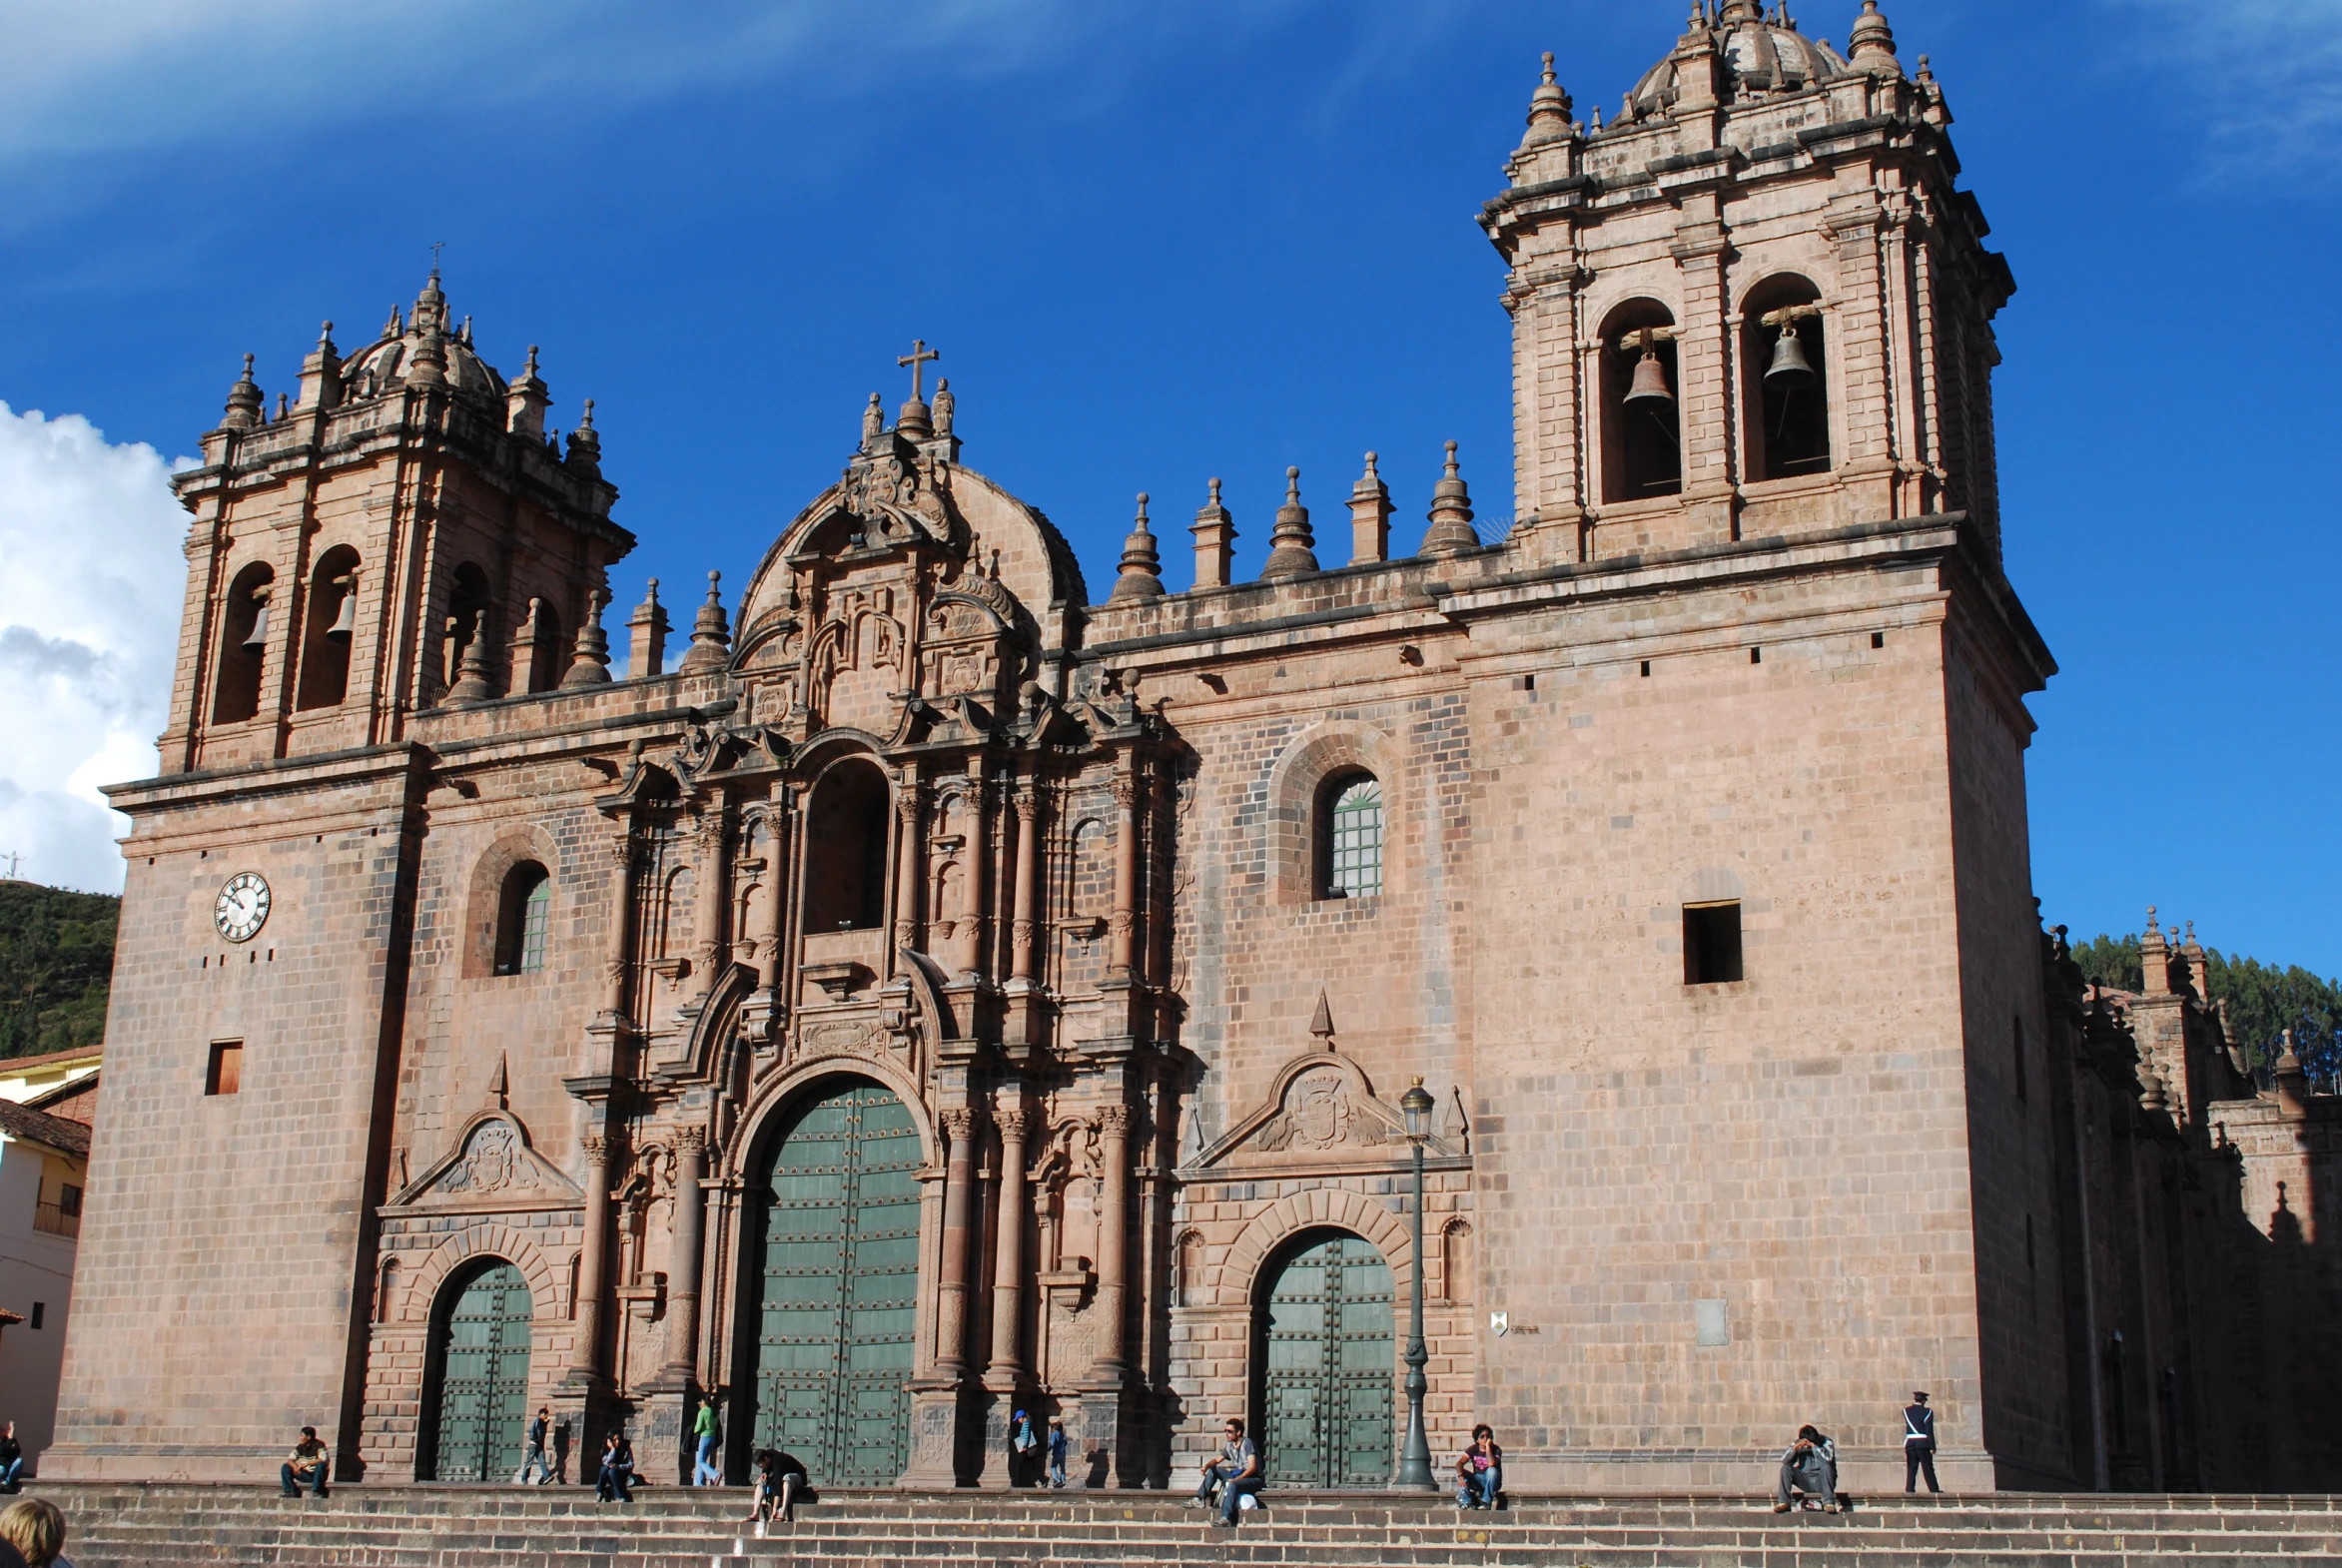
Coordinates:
(705,1473)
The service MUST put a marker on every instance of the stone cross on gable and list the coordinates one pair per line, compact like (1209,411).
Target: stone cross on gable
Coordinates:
(917,359)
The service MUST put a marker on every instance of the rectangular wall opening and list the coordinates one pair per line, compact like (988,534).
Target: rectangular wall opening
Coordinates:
(1711,944)
(224,1074)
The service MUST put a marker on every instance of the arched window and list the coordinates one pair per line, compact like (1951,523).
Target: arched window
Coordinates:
(525,917)
(387,1294)
(1642,432)
(1783,354)
(547,658)
(1455,1261)
(244,641)
(1350,837)
(328,621)
(846,849)
(1191,1281)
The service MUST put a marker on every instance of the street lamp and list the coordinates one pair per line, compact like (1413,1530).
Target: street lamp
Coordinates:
(1414,1465)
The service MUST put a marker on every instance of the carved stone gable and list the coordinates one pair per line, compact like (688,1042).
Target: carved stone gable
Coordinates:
(491,1164)
(1319,1113)
(1319,1106)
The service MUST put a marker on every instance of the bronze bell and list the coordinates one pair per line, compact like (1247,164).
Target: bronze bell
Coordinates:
(1650,383)
(1789,370)
(346,618)
(258,638)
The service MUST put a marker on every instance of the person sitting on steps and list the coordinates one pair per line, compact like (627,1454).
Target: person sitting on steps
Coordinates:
(779,1478)
(1809,1468)
(618,1470)
(1236,1475)
(1479,1471)
(306,1464)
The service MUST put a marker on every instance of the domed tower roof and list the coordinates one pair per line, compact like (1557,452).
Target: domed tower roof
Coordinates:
(385,364)
(1758,53)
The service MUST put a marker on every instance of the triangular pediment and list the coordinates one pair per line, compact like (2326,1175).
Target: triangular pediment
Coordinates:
(1321,1106)
(493,1165)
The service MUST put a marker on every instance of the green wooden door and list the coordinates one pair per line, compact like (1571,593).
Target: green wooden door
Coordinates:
(1328,1369)
(483,1381)
(840,1287)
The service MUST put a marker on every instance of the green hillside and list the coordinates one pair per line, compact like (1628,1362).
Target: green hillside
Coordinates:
(56,958)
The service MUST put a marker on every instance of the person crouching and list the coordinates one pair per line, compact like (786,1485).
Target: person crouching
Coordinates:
(1810,1468)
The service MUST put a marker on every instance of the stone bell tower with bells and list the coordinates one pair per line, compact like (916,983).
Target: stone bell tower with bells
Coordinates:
(1753,303)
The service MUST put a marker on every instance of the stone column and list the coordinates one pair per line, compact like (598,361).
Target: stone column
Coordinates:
(1008,1275)
(910,863)
(618,941)
(1027,891)
(1704,364)
(586,1357)
(1127,792)
(951,1347)
(684,1276)
(1113,1249)
(707,916)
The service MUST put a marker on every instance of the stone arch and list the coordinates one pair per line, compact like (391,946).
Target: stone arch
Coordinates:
(453,1282)
(758,1117)
(1242,1272)
(243,615)
(484,903)
(1455,1260)
(1640,443)
(1296,785)
(416,1295)
(1788,435)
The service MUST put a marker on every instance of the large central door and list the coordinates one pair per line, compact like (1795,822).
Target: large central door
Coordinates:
(483,1379)
(1327,1363)
(840,1287)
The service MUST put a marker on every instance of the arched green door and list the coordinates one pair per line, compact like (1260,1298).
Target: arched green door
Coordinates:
(840,1287)
(483,1379)
(1327,1367)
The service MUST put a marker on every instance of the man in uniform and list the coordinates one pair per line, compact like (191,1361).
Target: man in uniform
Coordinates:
(1919,1445)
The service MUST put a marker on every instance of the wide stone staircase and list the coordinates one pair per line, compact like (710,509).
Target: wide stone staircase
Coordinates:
(133,1525)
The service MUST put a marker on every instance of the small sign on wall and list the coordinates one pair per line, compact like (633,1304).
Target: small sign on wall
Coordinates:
(1710,1321)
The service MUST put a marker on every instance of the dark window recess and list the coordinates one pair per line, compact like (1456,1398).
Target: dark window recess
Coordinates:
(1646,667)
(1878,639)
(525,915)
(1711,944)
(40,1314)
(1756,655)
(226,1073)
(68,1199)
(846,849)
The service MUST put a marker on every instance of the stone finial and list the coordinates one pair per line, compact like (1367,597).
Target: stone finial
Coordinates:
(1291,546)
(1549,108)
(874,419)
(527,400)
(646,646)
(243,401)
(1322,1022)
(1871,45)
(473,682)
(1141,567)
(321,373)
(2292,1081)
(945,405)
(1369,516)
(711,633)
(585,444)
(591,664)
(1216,541)
(1451,529)
(428,367)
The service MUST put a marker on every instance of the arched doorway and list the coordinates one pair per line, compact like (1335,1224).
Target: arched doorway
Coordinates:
(1322,1339)
(478,1384)
(834,1305)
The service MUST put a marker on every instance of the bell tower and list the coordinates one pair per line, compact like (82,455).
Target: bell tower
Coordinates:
(1753,304)
(403,535)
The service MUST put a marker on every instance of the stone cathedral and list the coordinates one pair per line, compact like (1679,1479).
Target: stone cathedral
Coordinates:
(934,989)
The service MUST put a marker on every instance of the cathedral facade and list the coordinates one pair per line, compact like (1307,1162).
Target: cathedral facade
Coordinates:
(940,990)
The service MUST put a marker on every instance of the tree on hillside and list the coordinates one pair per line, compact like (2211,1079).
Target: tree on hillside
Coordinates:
(56,961)
(2263,1002)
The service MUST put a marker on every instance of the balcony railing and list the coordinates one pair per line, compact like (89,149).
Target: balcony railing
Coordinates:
(52,1220)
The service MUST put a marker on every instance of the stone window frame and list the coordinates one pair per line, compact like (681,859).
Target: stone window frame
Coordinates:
(484,900)
(1296,793)
(1342,845)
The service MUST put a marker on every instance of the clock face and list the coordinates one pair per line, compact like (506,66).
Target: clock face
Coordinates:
(242,907)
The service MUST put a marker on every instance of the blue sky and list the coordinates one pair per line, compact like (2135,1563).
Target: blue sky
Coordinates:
(1156,244)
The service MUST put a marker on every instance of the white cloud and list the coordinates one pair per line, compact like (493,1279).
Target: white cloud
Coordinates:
(91,578)
(108,75)
(2264,75)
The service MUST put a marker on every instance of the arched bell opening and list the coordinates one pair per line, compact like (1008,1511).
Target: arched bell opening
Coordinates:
(1326,1363)
(1642,426)
(1784,354)
(244,642)
(467,608)
(330,623)
(846,849)
(475,1376)
(549,658)
(827,1323)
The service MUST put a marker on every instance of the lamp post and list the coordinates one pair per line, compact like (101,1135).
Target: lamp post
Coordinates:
(1414,1465)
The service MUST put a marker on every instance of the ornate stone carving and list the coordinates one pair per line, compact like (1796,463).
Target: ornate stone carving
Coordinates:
(1320,1114)
(493,1159)
(844,1038)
